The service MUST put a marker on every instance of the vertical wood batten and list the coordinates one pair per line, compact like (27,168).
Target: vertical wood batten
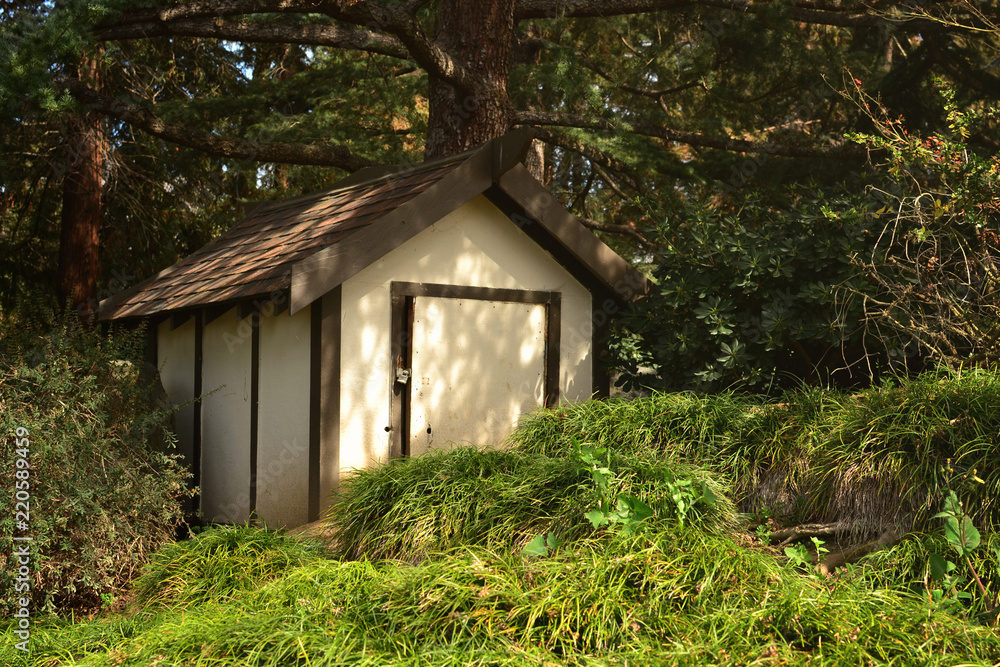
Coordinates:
(199,318)
(553,343)
(254,407)
(327,423)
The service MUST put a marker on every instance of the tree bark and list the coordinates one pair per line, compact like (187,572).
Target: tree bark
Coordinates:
(79,262)
(480,34)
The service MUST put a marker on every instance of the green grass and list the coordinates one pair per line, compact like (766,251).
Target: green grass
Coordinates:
(217,565)
(663,596)
(429,567)
(496,498)
(874,459)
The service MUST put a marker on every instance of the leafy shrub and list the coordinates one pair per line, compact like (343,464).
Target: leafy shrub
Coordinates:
(748,297)
(904,275)
(936,260)
(102,496)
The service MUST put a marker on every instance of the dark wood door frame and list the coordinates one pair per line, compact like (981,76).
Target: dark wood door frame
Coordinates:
(402,298)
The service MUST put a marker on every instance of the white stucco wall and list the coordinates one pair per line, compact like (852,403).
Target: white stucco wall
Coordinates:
(225,419)
(283,420)
(175,360)
(476,245)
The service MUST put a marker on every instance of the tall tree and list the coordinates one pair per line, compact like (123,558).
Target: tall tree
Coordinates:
(643,106)
(79,264)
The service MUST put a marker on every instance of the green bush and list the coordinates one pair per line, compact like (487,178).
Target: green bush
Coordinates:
(936,259)
(749,297)
(103,495)
(833,286)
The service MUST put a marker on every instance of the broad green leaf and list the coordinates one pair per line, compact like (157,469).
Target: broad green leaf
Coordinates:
(635,508)
(707,495)
(961,534)
(536,547)
(597,517)
(970,535)
(939,566)
(641,511)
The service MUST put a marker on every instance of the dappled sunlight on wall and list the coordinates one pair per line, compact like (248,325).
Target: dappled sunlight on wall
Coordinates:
(283,420)
(175,361)
(477,366)
(477,245)
(364,377)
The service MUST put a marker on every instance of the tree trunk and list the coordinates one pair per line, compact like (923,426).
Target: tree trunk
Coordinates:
(79,263)
(481,34)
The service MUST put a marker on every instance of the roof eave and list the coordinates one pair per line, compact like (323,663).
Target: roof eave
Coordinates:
(324,270)
(618,276)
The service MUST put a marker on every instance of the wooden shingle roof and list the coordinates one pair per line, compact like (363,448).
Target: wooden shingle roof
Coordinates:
(308,245)
(255,257)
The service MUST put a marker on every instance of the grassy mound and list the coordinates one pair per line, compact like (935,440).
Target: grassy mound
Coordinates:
(876,460)
(665,595)
(502,499)
(438,559)
(218,565)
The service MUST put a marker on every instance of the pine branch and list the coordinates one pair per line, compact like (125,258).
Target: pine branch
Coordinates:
(535,44)
(842,151)
(848,14)
(214,8)
(594,155)
(270,32)
(328,155)
(397,21)
(620,230)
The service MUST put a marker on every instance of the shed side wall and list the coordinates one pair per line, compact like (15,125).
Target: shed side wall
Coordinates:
(225,458)
(283,419)
(175,360)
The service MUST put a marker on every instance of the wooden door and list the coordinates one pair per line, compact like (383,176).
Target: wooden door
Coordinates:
(470,363)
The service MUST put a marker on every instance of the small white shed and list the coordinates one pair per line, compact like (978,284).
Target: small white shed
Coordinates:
(405,309)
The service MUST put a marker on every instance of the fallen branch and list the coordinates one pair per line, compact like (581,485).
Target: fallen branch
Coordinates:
(806,530)
(839,557)
(853,554)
